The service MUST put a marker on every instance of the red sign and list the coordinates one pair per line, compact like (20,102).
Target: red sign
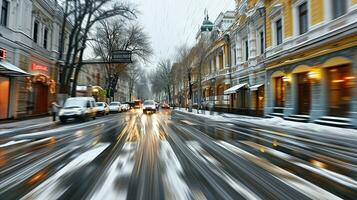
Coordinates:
(2,54)
(39,67)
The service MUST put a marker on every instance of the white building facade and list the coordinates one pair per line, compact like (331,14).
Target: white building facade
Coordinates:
(30,34)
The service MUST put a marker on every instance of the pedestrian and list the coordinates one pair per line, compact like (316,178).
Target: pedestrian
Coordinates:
(55,107)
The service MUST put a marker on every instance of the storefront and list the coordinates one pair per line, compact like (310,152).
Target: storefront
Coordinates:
(8,74)
(41,89)
(257,94)
(4,97)
(279,92)
(340,85)
(320,89)
(303,93)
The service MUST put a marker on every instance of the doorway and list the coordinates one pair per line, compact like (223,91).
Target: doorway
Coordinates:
(279,92)
(40,98)
(259,98)
(304,94)
(340,87)
(242,98)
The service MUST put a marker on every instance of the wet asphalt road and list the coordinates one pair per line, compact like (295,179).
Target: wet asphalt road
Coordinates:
(172,155)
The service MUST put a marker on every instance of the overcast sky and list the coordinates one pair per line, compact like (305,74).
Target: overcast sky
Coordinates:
(171,23)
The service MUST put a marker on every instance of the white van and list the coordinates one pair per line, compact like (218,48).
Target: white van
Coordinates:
(81,108)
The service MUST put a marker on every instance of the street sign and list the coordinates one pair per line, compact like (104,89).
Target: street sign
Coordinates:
(121,56)
(2,54)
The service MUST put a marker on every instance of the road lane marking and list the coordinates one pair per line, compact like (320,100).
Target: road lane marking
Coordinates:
(188,122)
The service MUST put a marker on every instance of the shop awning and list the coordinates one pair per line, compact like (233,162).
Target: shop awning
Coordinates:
(255,87)
(234,89)
(9,69)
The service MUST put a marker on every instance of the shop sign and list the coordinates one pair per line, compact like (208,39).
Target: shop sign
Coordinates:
(2,54)
(39,67)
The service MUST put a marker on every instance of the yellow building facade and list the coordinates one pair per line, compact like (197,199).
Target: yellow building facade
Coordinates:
(311,62)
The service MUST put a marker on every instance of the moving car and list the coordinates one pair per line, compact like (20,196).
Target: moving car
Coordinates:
(131,104)
(137,104)
(165,106)
(102,108)
(125,107)
(81,108)
(115,106)
(149,106)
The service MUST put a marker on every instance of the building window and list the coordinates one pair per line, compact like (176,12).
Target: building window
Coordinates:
(246,50)
(279,31)
(4,13)
(235,56)
(303,18)
(45,38)
(35,31)
(261,41)
(339,8)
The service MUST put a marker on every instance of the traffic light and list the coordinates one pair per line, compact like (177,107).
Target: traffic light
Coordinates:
(2,54)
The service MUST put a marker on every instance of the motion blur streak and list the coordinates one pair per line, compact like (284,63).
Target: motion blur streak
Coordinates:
(173,155)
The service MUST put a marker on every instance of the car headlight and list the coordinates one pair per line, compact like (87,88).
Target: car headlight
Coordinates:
(61,112)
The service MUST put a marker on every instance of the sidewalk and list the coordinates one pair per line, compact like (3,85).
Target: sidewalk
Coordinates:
(27,124)
(276,122)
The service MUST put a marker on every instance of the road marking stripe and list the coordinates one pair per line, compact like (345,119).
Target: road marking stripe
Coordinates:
(188,122)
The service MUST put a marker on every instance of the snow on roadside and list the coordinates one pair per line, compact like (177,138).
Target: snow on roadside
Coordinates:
(279,122)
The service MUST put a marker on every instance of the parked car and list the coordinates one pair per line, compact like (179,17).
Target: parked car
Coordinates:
(102,108)
(81,108)
(165,106)
(125,107)
(149,106)
(115,106)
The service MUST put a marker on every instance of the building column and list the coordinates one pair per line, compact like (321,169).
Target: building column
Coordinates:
(294,94)
(319,97)
(252,41)
(353,113)
(288,104)
(217,62)
(224,58)
(12,102)
(268,95)
(239,49)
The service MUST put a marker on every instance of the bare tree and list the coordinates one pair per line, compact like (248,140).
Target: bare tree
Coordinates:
(82,14)
(119,35)
(162,78)
(134,73)
(186,58)
(200,57)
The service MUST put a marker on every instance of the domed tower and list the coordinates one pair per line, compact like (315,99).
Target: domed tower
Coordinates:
(206,28)
(207,25)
